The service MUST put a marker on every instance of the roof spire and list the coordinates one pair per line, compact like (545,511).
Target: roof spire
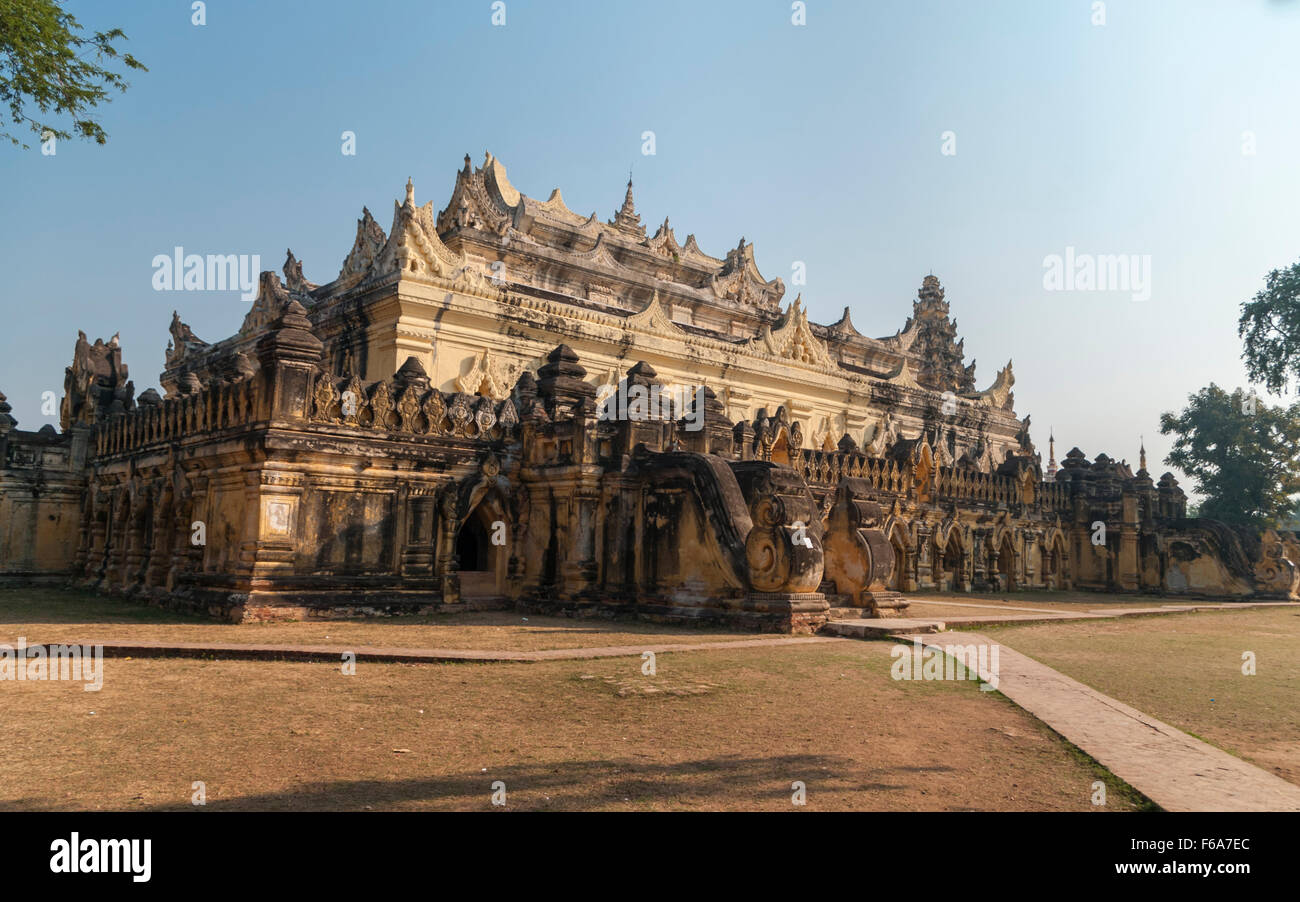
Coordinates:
(410,191)
(626,218)
(629,206)
(1142,453)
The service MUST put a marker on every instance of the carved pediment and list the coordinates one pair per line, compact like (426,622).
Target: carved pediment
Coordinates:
(473,204)
(490,376)
(739,280)
(998,395)
(844,328)
(293,278)
(904,339)
(664,243)
(271,300)
(599,253)
(904,374)
(653,318)
(691,249)
(183,341)
(366,247)
(794,339)
(414,248)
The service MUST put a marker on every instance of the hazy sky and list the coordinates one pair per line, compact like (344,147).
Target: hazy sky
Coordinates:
(821,143)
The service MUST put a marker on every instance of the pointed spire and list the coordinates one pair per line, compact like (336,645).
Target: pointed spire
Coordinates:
(410,191)
(1142,454)
(1051,456)
(626,218)
(629,207)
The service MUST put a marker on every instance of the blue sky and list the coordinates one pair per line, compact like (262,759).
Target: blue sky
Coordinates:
(819,143)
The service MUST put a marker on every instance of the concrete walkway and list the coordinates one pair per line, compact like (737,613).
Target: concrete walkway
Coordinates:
(114,648)
(1176,771)
(884,627)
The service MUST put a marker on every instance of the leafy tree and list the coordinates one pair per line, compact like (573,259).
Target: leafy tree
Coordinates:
(47,65)
(1270,329)
(1243,455)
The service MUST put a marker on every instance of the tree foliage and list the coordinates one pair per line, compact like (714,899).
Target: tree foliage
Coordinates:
(1270,330)
(1243,455)
(50,71)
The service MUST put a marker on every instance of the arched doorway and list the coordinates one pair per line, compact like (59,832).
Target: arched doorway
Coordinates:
(481,551)
(1007,563)
(899,578)
(953,566)
(1054,562)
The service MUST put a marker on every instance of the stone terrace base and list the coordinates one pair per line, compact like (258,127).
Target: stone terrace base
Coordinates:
(796,613)
(17,579)
(887,603)
(264,607)
(784,612)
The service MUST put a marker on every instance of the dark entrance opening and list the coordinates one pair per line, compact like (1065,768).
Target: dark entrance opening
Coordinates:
(472,546)
(952,565)
(1007,566)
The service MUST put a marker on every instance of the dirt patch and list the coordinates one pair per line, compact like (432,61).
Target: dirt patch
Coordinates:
(728,730)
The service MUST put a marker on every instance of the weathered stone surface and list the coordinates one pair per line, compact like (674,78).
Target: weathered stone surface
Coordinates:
(429,432)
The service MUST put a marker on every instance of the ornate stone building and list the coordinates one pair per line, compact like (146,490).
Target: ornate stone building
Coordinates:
(435,429)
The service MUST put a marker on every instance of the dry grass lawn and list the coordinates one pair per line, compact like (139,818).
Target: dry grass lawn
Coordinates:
(1186,670)
(712,730)
(972,604)
(58,615)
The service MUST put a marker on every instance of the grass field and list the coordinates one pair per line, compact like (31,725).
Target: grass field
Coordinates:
(728,729)
(1187,671)
(57,615)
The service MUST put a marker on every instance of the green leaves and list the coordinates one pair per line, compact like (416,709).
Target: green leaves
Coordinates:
(50,71)
(1270,329)
(1243,455)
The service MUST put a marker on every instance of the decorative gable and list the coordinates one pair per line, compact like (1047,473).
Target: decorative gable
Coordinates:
(794,340)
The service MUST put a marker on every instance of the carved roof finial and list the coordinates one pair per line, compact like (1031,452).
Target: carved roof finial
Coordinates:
(410,191)
(626,218)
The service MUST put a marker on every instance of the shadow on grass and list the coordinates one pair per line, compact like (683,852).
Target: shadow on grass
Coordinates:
(50,606)
(45,605)
(708,783)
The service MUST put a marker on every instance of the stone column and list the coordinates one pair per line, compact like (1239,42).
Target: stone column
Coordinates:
(1127,576)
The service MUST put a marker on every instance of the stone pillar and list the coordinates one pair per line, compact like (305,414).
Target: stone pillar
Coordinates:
(160,552)
(446,545)
(289,354)
(272,500)
(1127,576)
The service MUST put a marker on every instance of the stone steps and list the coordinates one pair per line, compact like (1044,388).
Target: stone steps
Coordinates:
(880,627)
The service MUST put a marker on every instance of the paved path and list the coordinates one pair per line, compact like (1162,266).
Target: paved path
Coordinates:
(114,648)
(1176,771)
(884,627)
